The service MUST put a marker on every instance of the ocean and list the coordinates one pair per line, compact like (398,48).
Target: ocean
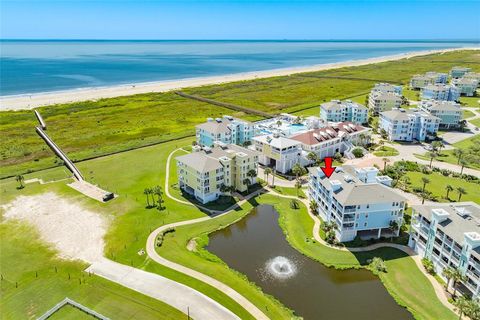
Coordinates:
(44,66)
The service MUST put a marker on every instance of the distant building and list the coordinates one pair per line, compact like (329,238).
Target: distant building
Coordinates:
(420,81)
(449,112)
(448,234)
(359,201)
(458,72)
(228,130)
(327,141)
(408,125)
(203,172)
(472,75)
(441,92)
(387,87)
(278,152)
(466,86)
(338,111)
(379,101)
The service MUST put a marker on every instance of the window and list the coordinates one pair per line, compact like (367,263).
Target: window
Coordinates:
(365,224)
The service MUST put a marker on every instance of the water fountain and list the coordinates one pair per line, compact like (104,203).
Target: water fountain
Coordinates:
(281,267)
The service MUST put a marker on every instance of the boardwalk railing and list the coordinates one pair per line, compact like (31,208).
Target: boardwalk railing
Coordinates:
(225,105)
(75,304)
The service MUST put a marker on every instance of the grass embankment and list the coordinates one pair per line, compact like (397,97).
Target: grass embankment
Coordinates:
(34,279)
(127,174)
(93,128)
(448,156)
(386,151)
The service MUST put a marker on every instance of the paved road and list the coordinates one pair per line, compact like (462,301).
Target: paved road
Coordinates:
(173,293)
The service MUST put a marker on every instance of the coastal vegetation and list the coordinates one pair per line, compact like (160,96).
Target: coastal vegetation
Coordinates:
(123,123)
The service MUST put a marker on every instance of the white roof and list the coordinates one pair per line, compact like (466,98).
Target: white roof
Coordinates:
(277,142)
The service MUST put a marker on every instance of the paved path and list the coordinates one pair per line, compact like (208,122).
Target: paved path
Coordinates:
(278,181)
(173,293)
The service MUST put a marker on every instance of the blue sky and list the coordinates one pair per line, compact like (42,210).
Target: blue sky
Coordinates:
(76,19)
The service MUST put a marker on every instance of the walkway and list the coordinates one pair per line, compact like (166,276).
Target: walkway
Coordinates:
(279,182)
(173,293)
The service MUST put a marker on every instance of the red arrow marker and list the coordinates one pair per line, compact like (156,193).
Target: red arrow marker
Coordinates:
(328,169)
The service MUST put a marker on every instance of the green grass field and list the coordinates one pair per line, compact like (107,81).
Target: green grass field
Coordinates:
(439,182)
(476,122)
(111,125)
(386,151)
(473,102)
(467,114)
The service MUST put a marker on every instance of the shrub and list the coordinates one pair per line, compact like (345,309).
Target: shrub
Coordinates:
(357,152)
(428,265)
(294,204)
(377,265)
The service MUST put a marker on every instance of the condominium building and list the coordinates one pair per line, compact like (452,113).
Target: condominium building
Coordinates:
(472,75)
(420,81)
(359,201)
(449,112)
(387,87)
(337,111)
(203,172)
(448,234)
(408,125)
(466,86)
(458,72)
(327,141)
(277,151)
(226,129)
(379,101)
(441,92)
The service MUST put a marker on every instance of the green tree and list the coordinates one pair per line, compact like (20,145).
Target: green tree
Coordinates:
(313,206)
(385,161)
(298,186)
(462,305)
(448,188)
(252,173)
(432,156)
(247,182)
(457,276)
(461,191)
(458,153)
(448,274)
(463,163)
(394,226)
(298,170)
(312,156)
(425,181)
(146,192)
(267,171)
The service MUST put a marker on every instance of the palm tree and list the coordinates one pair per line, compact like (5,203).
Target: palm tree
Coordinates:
(432,156)
(448,273)
(20,180)
(457,276)
(458,153)
(448,188)
(247,182)
(425,181)
(146,192)
(314,206)
(267,171)
(312,156)
(298,185)
(461,192)
(393,228)
(463,163)
(251,174)
(461,304)
(279,123)
(298,170)
(385,161)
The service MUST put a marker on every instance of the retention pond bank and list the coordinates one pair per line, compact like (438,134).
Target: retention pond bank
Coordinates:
(256,247)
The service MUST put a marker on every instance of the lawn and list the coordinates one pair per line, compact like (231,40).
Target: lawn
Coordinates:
(475,122)
(467,114)
(386,151)
(437,185)
(117,124)
(448,155)
(470,101)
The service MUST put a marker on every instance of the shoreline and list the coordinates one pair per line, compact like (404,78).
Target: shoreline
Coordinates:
(30,101)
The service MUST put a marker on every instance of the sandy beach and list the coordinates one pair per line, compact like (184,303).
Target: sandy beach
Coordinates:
(27,101)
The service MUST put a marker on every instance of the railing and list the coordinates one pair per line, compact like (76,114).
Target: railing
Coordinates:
(75,304)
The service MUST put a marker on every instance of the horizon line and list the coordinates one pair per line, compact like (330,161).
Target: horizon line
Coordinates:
(299,40)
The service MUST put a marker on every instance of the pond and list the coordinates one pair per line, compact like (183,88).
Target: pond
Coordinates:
(256,247)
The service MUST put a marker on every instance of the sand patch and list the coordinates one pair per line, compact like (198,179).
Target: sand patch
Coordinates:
(75,232)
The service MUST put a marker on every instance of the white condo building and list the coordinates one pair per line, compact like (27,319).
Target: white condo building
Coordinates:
(466,86)
(228,130)
(387,87)
(379,101)
(448,234)
(359,201)
(449,112)
(408,125)
(420,81)
(458,72)
(277,152)
(338,111)
(441,92)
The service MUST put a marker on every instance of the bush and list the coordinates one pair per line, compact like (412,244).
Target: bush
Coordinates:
(357,152)
(428,265)
(294,204)
(377,265)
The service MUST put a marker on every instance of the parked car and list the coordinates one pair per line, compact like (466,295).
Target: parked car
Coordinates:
(108,196)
